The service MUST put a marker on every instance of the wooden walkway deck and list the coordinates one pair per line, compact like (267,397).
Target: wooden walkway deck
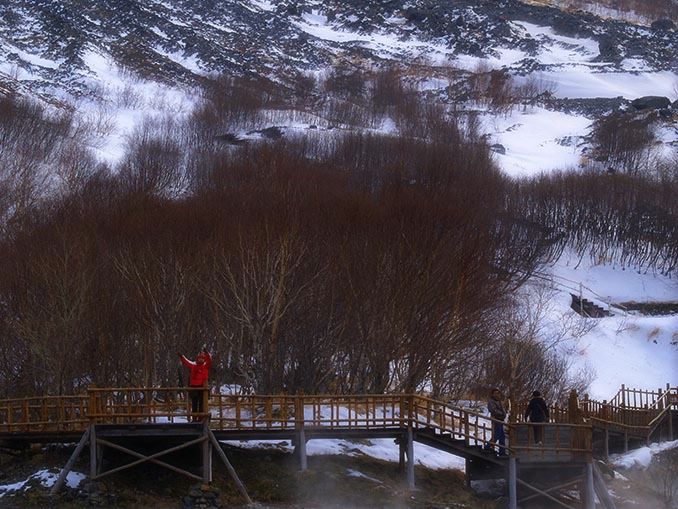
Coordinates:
(106,417)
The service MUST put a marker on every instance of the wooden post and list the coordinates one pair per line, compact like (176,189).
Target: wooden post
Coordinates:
(206,403)
(93,457)
(589,495)
(26,415)
(626,440)
(512,488)
(670,414)
(467,476)
(229,467)
(206,453)
(401,453)
(69,465)
(301,444)
(607,443)
(410,458)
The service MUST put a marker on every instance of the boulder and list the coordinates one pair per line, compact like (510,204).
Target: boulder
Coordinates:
(498,148)
(651,102)
(663,25)
(609,49)
(568,26)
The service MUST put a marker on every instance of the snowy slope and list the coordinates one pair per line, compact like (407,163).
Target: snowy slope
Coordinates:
(627,348)
(122,62)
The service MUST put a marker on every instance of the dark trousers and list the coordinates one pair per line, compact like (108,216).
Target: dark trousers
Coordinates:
(196,400)
(538,432)
(498,436)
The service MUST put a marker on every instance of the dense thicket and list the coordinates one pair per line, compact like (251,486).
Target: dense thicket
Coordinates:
(341,261)
(631,220)
(650,9)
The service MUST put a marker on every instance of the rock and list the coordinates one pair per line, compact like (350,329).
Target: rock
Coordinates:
(415,15)
(605,469)
(231,139)
(498,148)
(202,496)
(272,133)
(674,104)
(651,102)
(568,26)
(663,25)
(608,49)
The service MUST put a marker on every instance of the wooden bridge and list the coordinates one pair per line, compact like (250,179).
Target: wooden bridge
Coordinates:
(132,420)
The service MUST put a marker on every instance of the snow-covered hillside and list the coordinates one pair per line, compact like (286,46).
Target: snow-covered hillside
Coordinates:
(627,348)
(118,63)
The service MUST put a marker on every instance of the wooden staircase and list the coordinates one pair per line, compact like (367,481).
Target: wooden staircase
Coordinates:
(584,429)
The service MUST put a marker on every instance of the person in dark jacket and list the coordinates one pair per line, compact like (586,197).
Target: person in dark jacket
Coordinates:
(197,379)
(498,413)
(537,411)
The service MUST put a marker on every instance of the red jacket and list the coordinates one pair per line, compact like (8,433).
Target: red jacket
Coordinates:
(199,372)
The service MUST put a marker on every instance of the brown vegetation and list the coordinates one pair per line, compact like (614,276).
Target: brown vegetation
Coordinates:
(350,263)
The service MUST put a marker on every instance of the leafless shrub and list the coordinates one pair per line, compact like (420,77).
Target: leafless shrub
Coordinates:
(624,142)
(128,97)
(154,161)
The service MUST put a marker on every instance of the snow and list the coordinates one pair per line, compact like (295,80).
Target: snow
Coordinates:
(641,458)
(628,349)
(190,62)
(126,101)
(536,140)
(558,49)
(263,5)
(584,82)
(45,478)
(384,44)
(354,473)
(383,449)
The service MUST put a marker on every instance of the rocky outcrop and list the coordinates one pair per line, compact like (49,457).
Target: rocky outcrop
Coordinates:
(651,102)
(202,496)
(663,25)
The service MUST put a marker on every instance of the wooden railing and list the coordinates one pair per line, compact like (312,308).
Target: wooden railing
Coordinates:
(567,433)
(251,412)
(631,409)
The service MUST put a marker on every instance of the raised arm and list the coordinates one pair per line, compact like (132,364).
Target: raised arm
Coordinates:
(186,362)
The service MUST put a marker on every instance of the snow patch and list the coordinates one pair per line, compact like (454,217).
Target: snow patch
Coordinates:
(641,458)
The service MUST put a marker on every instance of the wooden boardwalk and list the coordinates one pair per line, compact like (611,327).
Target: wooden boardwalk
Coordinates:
(109,418)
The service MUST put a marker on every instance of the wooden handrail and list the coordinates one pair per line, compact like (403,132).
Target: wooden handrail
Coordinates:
(333,412)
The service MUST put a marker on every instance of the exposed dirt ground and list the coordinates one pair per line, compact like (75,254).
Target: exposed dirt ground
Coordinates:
(272,479)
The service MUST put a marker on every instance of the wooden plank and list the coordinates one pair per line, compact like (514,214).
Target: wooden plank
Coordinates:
(229,467)
(513,497)
(151,458)
(589,498)
(601,489)
(544,494)
(69,465)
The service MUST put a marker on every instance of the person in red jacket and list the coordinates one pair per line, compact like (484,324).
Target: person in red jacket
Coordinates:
(198,378)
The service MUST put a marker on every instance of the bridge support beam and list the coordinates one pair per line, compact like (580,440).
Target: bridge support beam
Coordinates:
(301,449)
(401,454)
(588,497)
(410,458)
(206,454)
(229,467)
(93,452)
(512,488)
(71,461)
(607,444)
(670,413)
